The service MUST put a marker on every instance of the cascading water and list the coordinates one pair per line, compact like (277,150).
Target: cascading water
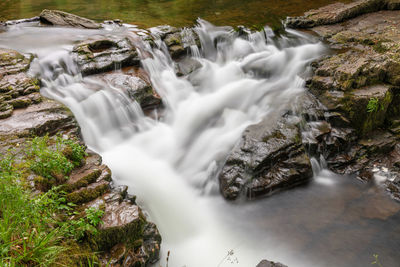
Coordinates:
(170,160)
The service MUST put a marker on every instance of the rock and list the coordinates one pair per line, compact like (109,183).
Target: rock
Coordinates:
(60,18)
(268,158)
(12,62)
(339,12)
(265,263)
(369,69)
(178,41)
(47,117)
(135,87)
(104,54)
(88,193)
(121,222)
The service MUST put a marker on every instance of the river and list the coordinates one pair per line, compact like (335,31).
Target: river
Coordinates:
(169,160)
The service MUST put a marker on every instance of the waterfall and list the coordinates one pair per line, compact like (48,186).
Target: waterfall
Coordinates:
(171,159)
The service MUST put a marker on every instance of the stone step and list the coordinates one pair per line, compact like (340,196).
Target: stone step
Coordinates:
(88,193)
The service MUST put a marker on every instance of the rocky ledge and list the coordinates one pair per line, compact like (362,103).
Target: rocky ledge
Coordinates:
(359,87)
(125,237)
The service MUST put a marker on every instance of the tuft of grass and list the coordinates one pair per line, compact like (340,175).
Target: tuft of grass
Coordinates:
(53,160)
(47,162)
(27,233)
(39,229)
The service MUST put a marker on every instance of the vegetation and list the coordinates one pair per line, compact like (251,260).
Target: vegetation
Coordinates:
(373,105)
(36,228)
(53,160)
(376,260)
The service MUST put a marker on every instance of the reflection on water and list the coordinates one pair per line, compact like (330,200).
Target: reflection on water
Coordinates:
(149,13)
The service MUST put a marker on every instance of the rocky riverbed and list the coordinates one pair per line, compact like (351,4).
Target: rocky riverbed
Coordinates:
(349,115)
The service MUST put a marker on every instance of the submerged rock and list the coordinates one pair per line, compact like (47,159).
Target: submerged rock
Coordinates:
(105,54)
(60,18)
(268,158)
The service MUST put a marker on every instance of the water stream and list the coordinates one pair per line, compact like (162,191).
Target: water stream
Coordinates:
(170,160)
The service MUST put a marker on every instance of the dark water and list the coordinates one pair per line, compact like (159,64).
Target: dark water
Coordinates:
(148,13)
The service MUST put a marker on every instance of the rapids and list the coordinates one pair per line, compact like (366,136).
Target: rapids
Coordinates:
(171,159)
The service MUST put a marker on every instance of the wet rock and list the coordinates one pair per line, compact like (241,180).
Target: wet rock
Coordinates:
(104,54)
(60,18)
(266,160)
(178,41)
(339,12)
(47,117)
(186,66)
(135,87)
(122,222)
(12,62)
(265,263)
(88,193)
(162,31)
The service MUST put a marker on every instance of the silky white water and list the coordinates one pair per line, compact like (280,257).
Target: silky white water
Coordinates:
(171,160)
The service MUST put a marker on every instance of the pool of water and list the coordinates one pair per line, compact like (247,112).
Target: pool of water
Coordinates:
(148,13)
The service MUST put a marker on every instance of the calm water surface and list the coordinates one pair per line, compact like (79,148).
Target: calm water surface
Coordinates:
(148,13)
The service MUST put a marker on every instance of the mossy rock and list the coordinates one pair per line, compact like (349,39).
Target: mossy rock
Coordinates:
(86,194)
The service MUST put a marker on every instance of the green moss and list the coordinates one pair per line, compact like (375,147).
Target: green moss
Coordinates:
(379,48)
(85,195)
(82,182)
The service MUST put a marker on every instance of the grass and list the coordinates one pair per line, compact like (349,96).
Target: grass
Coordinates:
(53,160)
(38,229)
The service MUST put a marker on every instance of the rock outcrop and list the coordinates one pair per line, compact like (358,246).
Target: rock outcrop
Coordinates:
(64,19)
(105,54)
(269,157)
(359,86)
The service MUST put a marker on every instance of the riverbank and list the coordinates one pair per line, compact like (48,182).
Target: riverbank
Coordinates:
(77,180)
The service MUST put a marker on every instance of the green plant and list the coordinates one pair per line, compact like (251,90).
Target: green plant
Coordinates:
(373,105)
(27,236)
(36,230)
(376,260)
(47,162)
(72,150)
(87,224)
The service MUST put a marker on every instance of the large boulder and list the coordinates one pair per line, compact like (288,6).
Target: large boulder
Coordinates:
(104,54)
(269,157)
(60,18)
